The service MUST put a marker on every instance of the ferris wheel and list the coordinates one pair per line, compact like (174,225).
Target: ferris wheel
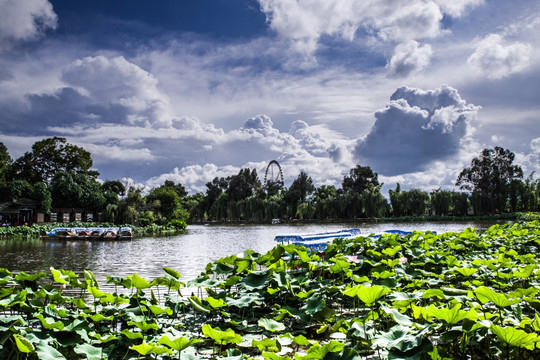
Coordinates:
(273,173)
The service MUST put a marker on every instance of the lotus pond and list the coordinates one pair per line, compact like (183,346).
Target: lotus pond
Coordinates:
(464,295)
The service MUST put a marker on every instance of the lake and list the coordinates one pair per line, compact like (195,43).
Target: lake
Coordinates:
(187,253)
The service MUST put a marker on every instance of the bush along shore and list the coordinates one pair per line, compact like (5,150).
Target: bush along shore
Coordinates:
(35,231)
(423,296)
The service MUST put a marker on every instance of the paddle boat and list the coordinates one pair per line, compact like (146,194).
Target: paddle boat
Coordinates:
(112,233)
(317,241)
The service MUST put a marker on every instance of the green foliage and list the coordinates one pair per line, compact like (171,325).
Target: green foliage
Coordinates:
(458,295)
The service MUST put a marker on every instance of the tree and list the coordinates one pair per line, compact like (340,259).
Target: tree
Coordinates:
(359,178)
(65,191)
(178,188)
(440,201)
(489,178)
(5,164)
(301,187)
(242,185)
(50,156)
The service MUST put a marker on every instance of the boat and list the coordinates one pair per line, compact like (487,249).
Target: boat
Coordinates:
(125,233)
(317,241)
(96,234)
(111,233)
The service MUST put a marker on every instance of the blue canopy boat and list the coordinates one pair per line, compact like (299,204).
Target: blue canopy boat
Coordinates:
(318,241)
(94,233)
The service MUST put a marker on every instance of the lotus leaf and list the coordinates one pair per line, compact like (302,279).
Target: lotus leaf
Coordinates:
(23,344)
(177,344)
(515,337)
(485,294)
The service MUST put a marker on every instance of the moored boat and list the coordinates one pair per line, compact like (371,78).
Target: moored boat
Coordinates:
(111,233)
(317,241)
(125,233)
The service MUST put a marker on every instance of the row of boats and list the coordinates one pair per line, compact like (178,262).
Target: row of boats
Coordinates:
(95,233)
(319,241)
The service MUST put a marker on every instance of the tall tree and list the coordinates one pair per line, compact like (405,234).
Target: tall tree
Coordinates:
(490,176)
(359,178)
(5,163)
(48,157)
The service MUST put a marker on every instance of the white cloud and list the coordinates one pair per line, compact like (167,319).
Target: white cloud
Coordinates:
(25,20)
(305,21)
(119,83)
(409,58)
(194,177)
(496,59)
(415,129)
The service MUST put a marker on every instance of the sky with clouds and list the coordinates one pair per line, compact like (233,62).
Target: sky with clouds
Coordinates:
(191,90)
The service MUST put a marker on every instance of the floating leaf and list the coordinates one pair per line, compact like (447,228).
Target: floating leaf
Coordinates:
(221,337)
(271,325)
(177,344)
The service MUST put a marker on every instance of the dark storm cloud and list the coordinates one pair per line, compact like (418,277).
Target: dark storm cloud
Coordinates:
(416,128)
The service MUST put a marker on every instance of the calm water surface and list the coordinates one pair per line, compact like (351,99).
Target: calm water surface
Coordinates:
(187,253)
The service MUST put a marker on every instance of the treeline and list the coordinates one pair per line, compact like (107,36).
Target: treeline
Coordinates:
(493,185)
(56,174)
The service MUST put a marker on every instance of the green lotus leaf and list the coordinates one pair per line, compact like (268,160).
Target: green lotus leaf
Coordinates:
(158,310)
(150,348)
(465,271)
(177,344)
(398,317)
(132,335)
(104,339)
(88,351)
(401,338)
(23,344)
(59,277)
(175,274)
(44,351)
(99,317)
(197,304)
(143,325)
(216,303)
(317,351)
(220,336)
(367,294)
(49,323)
(243,264)
(485,294)
(267,344)
(139,282)
(256,280)
(271,325)
(451,315)
(90,279)
(392,251)
(274,356)
(515,337)
(22,276)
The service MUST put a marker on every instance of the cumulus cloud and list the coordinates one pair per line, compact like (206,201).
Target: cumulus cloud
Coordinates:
(415,129)
(409,58)
(119,84)
(194,177)
(305,21)
(25,20)
(496,58)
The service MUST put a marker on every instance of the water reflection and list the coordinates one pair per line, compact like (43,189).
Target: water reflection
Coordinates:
(187,253)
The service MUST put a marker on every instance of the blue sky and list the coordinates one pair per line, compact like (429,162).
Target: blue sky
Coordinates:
(190,90)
